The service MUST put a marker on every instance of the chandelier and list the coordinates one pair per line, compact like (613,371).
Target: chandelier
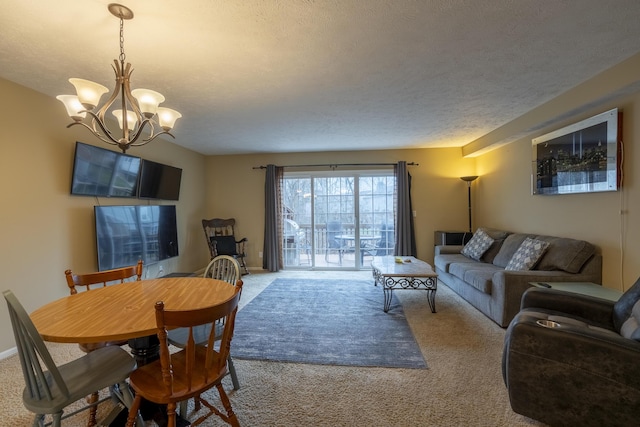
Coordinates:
(137,108)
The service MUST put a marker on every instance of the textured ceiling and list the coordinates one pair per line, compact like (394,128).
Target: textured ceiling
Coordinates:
(259,76)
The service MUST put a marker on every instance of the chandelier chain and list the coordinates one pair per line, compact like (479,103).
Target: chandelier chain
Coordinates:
(122,55)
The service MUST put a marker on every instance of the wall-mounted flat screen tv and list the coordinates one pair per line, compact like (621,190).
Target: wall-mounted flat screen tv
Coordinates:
(104,173)
(580,158)
(158,181)
(125,234)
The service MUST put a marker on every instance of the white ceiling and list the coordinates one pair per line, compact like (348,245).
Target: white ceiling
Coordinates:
(260,76)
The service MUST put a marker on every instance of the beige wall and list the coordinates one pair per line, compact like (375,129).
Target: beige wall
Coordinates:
(45,230)
(504,200)
(236,190)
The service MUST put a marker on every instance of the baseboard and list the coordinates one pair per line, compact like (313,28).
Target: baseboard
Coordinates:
(8,353)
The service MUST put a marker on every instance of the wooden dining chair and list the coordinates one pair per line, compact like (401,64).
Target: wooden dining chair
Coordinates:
(225,268)
(100,279)
(188,373)
(50,388)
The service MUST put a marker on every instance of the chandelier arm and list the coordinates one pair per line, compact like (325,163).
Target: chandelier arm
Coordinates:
(127,94)
(138,132)
(152,137)
(102,125)
(97,135)
(99,115)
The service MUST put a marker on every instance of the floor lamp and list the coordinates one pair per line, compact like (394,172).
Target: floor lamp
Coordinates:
(469,180)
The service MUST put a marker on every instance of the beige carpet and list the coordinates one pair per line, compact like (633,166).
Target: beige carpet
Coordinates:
(462,387)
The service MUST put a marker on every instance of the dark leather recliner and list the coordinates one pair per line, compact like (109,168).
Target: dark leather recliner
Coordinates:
(581,370)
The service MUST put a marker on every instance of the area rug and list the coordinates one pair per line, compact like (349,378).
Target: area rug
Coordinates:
(326,322)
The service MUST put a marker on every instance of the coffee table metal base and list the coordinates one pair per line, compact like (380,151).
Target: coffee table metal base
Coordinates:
(413,280)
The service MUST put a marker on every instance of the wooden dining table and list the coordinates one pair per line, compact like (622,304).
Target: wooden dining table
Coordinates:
(125,311)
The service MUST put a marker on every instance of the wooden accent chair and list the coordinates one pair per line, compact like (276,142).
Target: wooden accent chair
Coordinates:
(50,388)
(221,239)
(100,278)
(186,374)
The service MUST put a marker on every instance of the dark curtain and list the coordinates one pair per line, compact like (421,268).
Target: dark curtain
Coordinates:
(272,251)
(405,235)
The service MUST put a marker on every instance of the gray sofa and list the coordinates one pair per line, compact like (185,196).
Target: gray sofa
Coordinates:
(497,292)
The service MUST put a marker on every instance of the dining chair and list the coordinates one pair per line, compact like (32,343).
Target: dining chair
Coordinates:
(225,268)
(49,388)
(188,373)
(100,279)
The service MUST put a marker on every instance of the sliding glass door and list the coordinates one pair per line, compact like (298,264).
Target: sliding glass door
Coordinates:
(337,220)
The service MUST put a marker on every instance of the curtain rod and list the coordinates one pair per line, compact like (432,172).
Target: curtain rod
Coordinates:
(335,165)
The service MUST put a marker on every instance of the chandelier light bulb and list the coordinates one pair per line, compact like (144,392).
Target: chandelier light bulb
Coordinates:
(132,120)
(167,118)
(75,109)
(89,93)
(148,101)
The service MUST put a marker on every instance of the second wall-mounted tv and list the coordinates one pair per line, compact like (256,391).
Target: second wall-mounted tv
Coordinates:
(159,181)
(103,173)
(125,234)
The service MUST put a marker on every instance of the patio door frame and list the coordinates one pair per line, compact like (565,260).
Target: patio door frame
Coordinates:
(305,243)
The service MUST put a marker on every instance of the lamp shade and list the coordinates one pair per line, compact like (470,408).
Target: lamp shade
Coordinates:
(73,106)
(148,101)
(131,119)
(167,118)
(89,93)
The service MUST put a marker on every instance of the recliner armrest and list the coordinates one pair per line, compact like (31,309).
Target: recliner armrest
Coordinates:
(603,353)
(598,310)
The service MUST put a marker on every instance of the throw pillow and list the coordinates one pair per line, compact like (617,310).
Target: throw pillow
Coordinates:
(527,254)
(478,245)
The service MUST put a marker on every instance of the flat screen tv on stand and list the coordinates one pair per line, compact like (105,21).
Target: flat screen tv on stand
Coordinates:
(126,234)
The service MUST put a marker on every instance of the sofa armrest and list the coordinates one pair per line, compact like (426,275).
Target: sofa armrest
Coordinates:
(509,286)
(595,309)
(448,249)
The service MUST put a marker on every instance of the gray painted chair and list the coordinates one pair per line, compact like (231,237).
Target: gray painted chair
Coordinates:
(50,388)
(574,360)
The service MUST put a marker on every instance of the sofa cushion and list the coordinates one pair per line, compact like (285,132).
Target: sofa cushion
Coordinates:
(511,244)
(443,261)
(527,255)
(476,274)
(498,237)
(565,254)
(478,245)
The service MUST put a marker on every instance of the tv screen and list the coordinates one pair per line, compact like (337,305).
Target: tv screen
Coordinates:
(158,181)
(125,234)
(103,173)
